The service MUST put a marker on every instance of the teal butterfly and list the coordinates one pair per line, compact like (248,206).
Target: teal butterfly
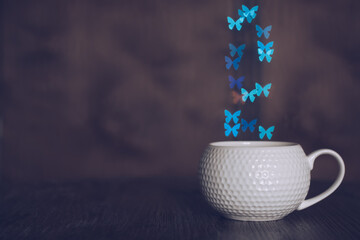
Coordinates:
(247,95)
(230,116)
(234,130)
(264,89)
(236,23)
(266,47)
(247,13)
(230,62)
(268,132)
(265,31)
(250,125)
(238,50)
(266,55)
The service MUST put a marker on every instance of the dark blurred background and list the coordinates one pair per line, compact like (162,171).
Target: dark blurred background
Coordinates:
(105,89)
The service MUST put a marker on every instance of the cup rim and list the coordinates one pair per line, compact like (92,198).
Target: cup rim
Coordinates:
(252,144)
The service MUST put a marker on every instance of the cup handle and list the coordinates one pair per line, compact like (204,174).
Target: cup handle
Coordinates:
(311,158)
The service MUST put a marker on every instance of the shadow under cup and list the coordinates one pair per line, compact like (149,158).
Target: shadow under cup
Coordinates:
(259,181)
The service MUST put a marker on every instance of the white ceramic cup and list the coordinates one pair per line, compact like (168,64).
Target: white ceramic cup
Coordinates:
(260,181)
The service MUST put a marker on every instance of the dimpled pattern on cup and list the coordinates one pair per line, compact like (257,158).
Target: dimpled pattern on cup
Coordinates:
(254,184)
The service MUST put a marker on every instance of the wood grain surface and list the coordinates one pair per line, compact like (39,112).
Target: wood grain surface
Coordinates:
(162,208)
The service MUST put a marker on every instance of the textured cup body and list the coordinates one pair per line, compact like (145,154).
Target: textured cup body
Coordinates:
(253,182)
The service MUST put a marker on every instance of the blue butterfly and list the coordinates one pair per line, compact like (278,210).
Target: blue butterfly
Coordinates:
(264,89)
(247,95)
(230,116)
(265,47)
(230,62)
(248,14)
(238,50)
(265,31)
(250,125)
(237,82)
(267,132)
(233,129)
(236,23)
(267,54)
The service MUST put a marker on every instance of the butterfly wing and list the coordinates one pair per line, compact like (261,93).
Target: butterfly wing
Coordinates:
(252,14)
(231,23)
(261,46)
(232,82)
(245,94)
(235,129)
(258,88)
(269,132)
(228,129)
(241,47)
(232,49)
(239,82)
(253,10)
(268,46)
(238,23)
(268,28)
(236,116)
(244,125)
(261,55)
(252,95)
(236,63)
(259,30)
(261,132)
(240,50)
(228,116)
(229,62)
(268,55)
(245,10)
(252,125)
(266,89)
(241,13)
(267,31)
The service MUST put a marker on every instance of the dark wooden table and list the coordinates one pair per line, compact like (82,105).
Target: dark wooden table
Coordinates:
(162,208)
